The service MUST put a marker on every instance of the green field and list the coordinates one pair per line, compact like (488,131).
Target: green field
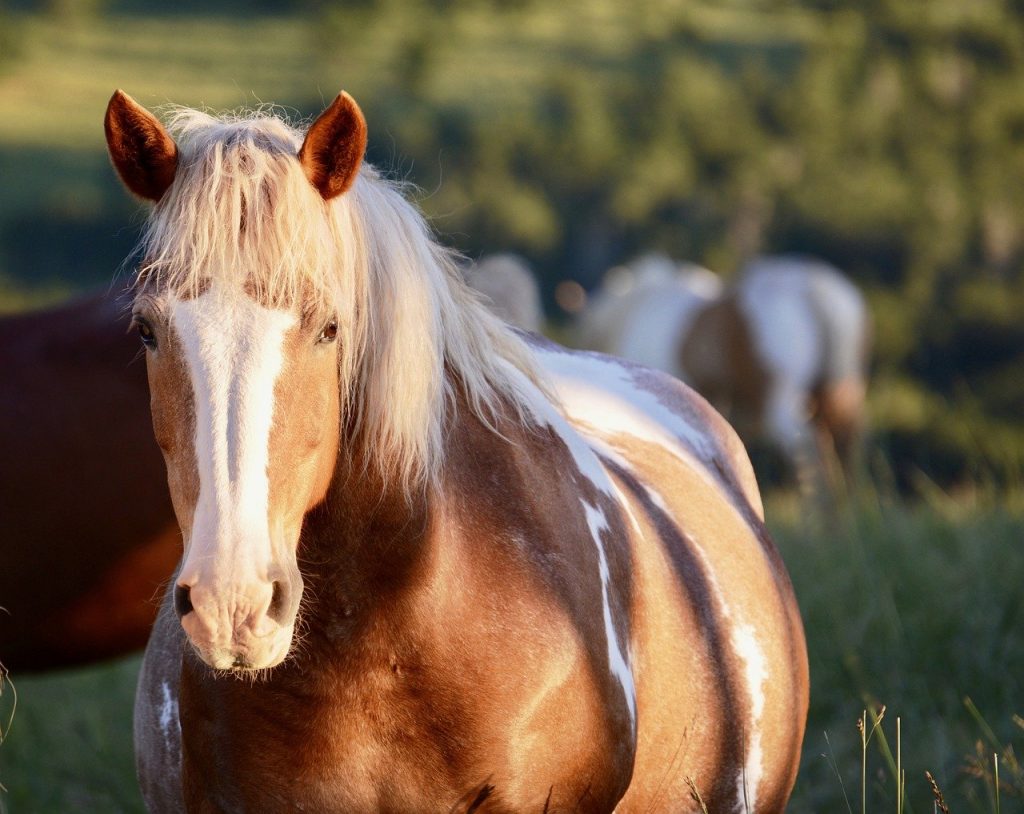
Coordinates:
(885,137)
(915,608)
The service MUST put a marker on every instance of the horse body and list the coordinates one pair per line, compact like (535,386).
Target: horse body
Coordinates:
(584,646)
(81,565)
(783,351)
(567,603)
(812,331)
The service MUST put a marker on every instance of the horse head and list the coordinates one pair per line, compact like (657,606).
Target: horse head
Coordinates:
(242,353)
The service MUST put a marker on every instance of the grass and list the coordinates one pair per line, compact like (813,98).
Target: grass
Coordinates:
(917,607)
(69,746)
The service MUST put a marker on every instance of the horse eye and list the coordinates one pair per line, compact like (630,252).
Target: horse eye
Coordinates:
(329,333)
(145,332)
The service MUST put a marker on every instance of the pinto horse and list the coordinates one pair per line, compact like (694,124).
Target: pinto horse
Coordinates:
(426,559)
(89,534)
(783,350)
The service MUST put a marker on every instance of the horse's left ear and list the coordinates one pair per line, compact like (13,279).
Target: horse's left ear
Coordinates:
(334,147)
(144,155)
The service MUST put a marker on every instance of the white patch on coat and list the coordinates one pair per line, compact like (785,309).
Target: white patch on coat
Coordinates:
(833,302)
(616,657)
(744,644)
(590,467)
(656,325)
(602,394)
(233,349)
(170,724)
(786,331)
(787,337)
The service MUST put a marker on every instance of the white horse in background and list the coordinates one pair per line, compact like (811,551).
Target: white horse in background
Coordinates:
(510,289)
(643,308)
(783,350)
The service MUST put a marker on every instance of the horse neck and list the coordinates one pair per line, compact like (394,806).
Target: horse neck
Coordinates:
(370,546)
(362,552)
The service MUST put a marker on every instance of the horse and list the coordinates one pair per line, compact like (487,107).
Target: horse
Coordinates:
(509,289)
(429,563)
(643,309)
(783,351)
(89,535)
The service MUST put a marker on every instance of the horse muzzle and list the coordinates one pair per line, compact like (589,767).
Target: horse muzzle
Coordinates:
(238,628)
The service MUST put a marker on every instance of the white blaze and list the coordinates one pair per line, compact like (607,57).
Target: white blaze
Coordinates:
(233,350)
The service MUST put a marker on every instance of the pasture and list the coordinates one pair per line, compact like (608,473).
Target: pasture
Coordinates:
(918,608)
(511,120)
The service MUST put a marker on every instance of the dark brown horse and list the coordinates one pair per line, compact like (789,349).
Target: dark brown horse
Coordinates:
(428,563)
(87,532)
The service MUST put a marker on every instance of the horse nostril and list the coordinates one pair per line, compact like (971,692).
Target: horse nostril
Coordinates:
(277,602)
(182,600)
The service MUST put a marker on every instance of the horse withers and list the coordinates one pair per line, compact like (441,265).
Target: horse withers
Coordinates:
(428,563)
(88,533)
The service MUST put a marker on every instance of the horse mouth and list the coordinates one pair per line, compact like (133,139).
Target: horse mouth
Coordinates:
(242,660)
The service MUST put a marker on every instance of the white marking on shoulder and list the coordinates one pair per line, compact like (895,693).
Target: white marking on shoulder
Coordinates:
(590,467)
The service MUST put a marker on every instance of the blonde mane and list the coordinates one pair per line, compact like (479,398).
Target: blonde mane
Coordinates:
(411,333)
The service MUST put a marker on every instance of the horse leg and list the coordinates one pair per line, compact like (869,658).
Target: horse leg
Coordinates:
(841,415)
(786,425)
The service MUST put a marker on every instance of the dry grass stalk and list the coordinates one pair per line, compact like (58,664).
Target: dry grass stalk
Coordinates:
(696,795)
(940,801)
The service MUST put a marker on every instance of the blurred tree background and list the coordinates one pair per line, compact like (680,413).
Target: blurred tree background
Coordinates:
(884,136)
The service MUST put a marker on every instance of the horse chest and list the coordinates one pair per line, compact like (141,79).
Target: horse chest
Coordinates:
(398,736)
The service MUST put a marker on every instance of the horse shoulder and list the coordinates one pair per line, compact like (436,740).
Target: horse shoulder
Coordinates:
(533,542)
(608,398)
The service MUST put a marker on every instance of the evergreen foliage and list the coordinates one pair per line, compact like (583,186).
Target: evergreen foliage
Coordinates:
(883,136)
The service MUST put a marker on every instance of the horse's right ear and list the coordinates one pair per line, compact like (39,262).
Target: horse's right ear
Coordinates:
(143,153)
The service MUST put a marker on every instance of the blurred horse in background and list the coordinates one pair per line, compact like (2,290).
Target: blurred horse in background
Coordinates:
(510,289)
(643,310)
(783,350)
(88,533)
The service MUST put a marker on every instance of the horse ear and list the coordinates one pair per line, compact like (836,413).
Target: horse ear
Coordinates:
(144,155)
(334,147)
